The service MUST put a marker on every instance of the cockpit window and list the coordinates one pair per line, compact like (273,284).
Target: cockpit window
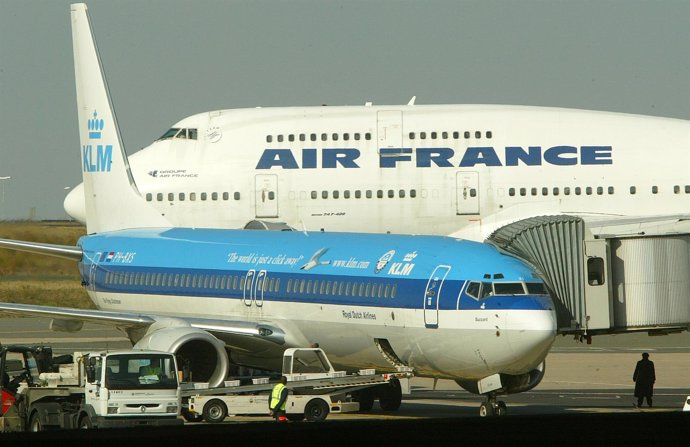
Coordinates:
(182,134)
(509,288)
(169,134)
(536,288)
(479,290)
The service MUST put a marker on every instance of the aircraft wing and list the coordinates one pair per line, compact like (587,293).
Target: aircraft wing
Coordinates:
(243,335)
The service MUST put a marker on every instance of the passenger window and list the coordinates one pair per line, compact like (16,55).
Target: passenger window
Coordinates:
(633,190)
(655,189)
(379,194)
(358,194)
(181,196)
(336,194)
(226,196)
(433,135)
(467,135)
(401,193)
(313,194)
(159,196)
(280,138)
(214,196)
(555,191)
(192,196)
(346,194)
(578,190)
(477,134)
(422,135)
(413,193)
(204,196)
(149,197)
(391,193)
(291,137)
(511,192)
(369,195)
(595,271)
(269,138)
(171,197)
(545,191)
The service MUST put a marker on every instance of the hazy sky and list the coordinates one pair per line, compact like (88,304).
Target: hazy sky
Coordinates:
(165,60)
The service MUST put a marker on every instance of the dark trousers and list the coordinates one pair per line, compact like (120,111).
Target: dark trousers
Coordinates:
(640,398)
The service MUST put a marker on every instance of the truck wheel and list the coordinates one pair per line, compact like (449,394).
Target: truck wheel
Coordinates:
(366,399)
(391,396)
(85,422)
(316,410)
(191,417)
(35,422)
(215,411)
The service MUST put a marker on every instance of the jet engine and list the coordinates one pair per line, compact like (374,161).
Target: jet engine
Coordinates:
(204,353)
(510,384)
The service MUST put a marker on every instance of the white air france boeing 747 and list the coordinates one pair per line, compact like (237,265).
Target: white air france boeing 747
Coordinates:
(445,307)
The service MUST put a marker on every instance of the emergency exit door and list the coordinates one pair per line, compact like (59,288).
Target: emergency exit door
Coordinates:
(432,295)
(266,195)
(467,192)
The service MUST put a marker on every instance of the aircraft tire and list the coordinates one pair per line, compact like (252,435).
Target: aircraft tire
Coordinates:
(486,410)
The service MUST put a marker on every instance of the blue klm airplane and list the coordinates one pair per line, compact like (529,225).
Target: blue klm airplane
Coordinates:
(447,308)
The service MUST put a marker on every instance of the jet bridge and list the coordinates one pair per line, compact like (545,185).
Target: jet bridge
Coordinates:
(607,284)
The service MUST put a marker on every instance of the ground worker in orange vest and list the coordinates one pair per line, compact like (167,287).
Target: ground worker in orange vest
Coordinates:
(279,400)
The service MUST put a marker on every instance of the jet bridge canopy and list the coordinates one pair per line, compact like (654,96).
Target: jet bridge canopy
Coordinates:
(609,284)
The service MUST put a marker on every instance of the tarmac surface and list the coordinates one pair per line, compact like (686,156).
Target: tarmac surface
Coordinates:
(586,389)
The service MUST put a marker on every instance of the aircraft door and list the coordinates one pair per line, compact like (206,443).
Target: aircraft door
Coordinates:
(259,289)
(389,128)
(467,192)
(266,195)
(432,295)
(248,289)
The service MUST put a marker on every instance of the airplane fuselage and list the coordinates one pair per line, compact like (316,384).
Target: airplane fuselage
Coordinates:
(420,295)
(410,169)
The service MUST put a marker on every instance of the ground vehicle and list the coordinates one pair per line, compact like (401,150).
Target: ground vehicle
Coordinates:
(89,390)
(316,390)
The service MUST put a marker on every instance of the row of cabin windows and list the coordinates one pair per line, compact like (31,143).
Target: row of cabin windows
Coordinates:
(192,196)
(237,283)
(446,135)
(599,190)
(315,137)
(342,288)
(358,194)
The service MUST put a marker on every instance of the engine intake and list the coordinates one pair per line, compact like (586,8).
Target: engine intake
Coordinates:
(204,353)
(511,384)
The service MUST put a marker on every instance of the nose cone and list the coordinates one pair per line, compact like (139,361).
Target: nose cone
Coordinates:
(74,204)
(531,335)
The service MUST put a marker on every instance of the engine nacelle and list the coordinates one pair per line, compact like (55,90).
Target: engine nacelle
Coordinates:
(207,357)
(510,384)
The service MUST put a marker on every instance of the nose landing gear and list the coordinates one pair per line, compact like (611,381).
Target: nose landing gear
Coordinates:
(492,407)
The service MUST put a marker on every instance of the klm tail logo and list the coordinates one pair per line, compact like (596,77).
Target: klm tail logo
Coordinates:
(103,158)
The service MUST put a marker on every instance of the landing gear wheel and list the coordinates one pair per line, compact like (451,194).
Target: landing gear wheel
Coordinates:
(191,417)
(501,409)
(391,396)
(35,423)
(316,410)
(215,411)
(85,423)
(486,410)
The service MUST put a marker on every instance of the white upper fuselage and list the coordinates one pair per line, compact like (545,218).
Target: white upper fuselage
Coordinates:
(412,169)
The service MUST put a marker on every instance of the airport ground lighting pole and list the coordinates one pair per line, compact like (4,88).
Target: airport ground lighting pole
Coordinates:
(2,179)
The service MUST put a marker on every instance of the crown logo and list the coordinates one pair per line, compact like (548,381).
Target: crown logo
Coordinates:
(410,256)
(95,126)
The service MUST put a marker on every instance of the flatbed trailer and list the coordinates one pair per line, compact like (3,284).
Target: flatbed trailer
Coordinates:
(315,390)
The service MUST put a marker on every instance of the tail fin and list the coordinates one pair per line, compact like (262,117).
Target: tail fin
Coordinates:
(113,201)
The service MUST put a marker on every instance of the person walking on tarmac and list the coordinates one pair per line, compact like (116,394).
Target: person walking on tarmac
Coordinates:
(279,400)
(644,378)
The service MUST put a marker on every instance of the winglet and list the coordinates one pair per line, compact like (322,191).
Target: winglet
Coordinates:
(113,201)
